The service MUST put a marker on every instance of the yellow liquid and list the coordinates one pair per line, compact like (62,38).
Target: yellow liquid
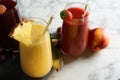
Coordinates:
(36,60)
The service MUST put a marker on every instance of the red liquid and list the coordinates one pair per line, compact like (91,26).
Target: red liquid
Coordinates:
(8,20)
(75,33)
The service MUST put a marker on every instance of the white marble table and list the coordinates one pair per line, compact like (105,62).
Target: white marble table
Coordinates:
(104,65)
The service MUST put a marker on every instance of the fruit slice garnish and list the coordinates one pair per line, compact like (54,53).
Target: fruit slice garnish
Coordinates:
(22,32)
(58,61)
(2,9)
(59,31)
(66,15)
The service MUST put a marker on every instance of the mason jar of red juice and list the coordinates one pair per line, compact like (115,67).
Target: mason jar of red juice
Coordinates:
(75,31)
(8,20)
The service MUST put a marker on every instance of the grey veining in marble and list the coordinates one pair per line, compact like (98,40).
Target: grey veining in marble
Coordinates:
(109,72)
(104,65)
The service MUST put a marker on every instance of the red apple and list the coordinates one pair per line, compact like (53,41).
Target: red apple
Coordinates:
(59,31)
(98,39)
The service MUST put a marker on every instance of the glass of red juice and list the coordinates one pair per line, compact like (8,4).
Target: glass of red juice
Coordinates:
(75,32)
(8,20)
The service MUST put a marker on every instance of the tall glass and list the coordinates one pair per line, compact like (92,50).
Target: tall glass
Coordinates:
(8,20)
(75,31)
(36,59)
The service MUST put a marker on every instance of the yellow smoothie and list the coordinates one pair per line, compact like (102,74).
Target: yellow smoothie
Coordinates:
(36,59)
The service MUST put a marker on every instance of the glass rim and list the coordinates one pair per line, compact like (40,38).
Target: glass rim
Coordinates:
(68,6)
(32,18)
(9,7)
(74,3)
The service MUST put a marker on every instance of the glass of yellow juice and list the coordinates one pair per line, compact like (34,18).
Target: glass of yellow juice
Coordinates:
(36,59)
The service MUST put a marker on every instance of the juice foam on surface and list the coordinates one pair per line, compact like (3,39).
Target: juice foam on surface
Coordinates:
(77,12)
(37,33)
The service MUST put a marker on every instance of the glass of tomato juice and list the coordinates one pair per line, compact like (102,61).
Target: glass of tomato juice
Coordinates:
(75,32)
